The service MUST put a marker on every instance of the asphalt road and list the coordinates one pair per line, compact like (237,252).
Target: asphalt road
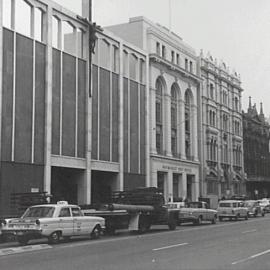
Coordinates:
(226,245)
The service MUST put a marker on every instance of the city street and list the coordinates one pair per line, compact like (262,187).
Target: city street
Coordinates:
(226,245)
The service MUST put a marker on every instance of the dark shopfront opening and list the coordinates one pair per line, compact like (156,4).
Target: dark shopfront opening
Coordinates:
(103,184)
(64,184)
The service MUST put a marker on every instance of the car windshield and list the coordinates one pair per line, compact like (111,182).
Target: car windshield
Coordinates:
(249,203)
(194,205)
(223,204)
(39,212)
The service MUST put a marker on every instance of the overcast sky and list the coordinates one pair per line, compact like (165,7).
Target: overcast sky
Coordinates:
(236,31)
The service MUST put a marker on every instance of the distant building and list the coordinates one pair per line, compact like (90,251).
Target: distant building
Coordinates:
(222,135)
(174,107)
(256,152)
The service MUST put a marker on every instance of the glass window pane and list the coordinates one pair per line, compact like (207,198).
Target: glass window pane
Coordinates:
(22,17)
(7,13)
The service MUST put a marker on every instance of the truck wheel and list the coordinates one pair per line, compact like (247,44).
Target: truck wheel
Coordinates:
(23,240)
(54,238)
(214,220)
(172,224)
(95,234)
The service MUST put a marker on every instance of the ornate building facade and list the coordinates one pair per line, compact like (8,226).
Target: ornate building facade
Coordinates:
(256,152)
(222,166)
(173,104)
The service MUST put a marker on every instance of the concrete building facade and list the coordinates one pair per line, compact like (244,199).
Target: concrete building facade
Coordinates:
(173,107)
(222,160)
(56,136)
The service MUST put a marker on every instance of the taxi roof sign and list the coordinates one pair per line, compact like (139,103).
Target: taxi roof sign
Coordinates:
(62,202)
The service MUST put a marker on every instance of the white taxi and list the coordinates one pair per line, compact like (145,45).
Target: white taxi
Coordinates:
(53,221)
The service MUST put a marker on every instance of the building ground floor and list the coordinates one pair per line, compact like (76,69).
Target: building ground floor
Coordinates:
(66,179)
(177,180)
(258,189)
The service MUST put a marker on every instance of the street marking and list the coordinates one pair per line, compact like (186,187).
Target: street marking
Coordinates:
(16,250)
(249,231)
(252,257)
(172,246)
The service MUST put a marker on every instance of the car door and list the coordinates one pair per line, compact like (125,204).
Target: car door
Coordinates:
(81,225)
(66,221)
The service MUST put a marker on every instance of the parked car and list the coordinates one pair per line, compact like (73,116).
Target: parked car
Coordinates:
(175,205)
(232,209)
(53,221)
(197,212)
(254,208)
(265,204)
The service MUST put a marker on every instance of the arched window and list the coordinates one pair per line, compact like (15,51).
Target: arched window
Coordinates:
(159,127)
(174,119)
(187,125)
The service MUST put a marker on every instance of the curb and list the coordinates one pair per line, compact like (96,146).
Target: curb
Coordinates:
(15,250)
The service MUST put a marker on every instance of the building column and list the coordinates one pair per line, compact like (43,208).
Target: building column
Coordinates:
(196,188)
(167,124)
(152,132)
(170,186)
(184,185)
(147,124)
(154,176)
(48,104)
(182,134)
(194,134)
(85,194)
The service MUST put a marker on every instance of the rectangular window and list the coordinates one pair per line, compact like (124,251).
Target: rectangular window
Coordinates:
(186,64)
(191,67)
(158,112)
(158,48)
(177,59)
(172,56)
(163,51)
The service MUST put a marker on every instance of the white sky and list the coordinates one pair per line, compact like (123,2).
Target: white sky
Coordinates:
(237,31)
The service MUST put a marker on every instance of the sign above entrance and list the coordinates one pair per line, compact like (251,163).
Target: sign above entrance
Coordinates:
(177,169)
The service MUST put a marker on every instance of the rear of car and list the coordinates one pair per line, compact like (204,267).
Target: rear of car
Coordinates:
(232,209)
(53,222)
(254,208)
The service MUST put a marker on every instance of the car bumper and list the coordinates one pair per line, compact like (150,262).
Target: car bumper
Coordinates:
(31,233)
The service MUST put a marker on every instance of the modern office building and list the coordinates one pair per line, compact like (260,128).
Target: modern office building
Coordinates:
(222,160)
(57,136)
(256,152)
(173,107)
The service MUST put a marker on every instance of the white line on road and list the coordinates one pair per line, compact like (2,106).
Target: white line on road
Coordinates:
(172,246)
(252,257)
(249,231)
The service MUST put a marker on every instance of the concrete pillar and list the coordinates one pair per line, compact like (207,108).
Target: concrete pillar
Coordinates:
(194,133)
(154,176)
(184,185)
(120,180)
(85,195)
(167,125)
(48,104)
(170,186)
(196,187)
(152,131)
(182,134)
(147,124)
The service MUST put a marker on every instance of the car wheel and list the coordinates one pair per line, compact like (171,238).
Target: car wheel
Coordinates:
(220,218)
(23,240)
(95,234)
(172,224)
(199,220)
(214,220)
(54,238)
